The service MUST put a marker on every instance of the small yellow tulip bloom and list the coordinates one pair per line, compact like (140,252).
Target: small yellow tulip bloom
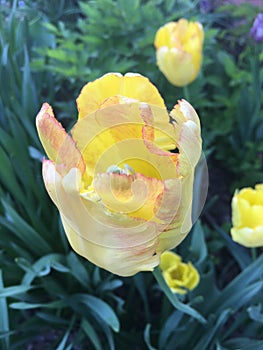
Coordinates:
(247,216)
(179,47)
(123,197)
(179,276)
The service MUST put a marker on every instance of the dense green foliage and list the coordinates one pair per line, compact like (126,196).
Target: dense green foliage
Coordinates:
(48,293)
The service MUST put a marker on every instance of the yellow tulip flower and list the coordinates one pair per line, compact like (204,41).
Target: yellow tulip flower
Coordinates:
(179,47)
(123,197)
(179,276)
(247,216)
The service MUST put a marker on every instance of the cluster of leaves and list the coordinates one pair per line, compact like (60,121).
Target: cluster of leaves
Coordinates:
(233,119)
(48,293)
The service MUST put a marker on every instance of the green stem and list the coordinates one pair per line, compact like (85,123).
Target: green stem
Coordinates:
(254,253)
(186,93)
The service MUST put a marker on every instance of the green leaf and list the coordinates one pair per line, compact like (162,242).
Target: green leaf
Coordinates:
(78,270)
(238,252)
(28,306)
(14,290)
(198,244)
(210,333)
(7,176)
(173,298)
(62,344)
(91,333)
(244,343)
(241,290)
(147,337)
(255,313)
(48,317)
(4,318)
(24,231)
(169,327)
(103,310)
(140,285)
(43,266)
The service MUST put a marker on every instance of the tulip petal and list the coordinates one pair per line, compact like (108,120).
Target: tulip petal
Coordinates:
(168,59)
(187,128)
(247,216)
(120,261)
(169,259)
(178,275)
(131,85)
(248,237)
(133,195)
(108,137)
(130,247)
(58,145)
(176,212)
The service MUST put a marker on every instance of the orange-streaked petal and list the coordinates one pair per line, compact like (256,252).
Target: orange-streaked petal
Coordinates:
(120,261)
(188,136)
(92,231)
(58,145)
(176,212)
(114,135)
(134,195)
(130,85)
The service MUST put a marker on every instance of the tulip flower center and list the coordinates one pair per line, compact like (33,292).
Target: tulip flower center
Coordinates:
(177,273)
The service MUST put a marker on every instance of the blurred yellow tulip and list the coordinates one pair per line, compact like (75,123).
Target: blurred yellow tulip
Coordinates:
(179,47)
(179,276)
(247,216)
(123,197)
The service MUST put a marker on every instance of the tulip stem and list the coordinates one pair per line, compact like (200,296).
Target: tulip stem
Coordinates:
(186,93)
(254,254)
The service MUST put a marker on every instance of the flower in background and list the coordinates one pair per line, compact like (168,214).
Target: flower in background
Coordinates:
(257,28)
(247,216)
(179,276)
(206,6)
(179,47)
(123,197)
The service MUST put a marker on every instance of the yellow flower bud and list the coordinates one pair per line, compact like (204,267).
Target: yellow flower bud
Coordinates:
(179,276)
(179,48)
(247,216)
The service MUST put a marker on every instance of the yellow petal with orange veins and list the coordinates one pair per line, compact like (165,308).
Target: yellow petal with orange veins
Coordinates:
(58,145)
(104,131)
(133,195)
(113,135)
(134,86)
(178,218)
(123,262)
(129,248)
(187,128)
